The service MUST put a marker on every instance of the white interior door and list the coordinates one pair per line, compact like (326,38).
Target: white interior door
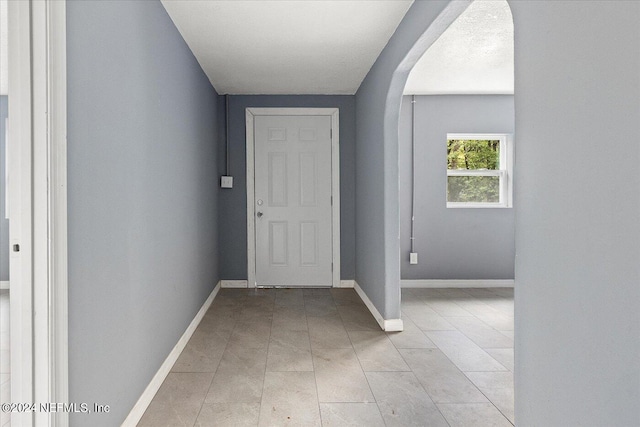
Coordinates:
(293,204)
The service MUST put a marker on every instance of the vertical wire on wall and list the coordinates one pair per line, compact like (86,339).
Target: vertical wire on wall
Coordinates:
(226,133)
(413,169)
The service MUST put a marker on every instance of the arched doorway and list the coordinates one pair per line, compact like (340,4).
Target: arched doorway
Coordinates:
(498,385)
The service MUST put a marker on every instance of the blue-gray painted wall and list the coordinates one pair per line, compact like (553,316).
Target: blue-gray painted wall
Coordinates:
(4,223)
(577,325)
(143,127)
(233,202)
(377,193)
(451,243)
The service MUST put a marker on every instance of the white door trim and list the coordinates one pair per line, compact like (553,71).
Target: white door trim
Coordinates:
(38,208)
(20,212)
(335,183)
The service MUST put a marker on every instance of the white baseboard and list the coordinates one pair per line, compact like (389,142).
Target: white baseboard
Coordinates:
(147,396)
(387,325)
(508,283)
(393,325)
(346,284)
(245,284)
(4,284)
(234,284)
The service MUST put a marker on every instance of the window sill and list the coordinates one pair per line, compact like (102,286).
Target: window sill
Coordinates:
(454,205)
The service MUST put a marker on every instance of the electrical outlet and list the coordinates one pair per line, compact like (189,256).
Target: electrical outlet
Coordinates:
(226,182)
(413,258)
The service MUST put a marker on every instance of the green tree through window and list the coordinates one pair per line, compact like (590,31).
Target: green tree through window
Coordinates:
(473,155)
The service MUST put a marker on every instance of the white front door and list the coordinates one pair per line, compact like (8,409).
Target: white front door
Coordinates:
(293,212)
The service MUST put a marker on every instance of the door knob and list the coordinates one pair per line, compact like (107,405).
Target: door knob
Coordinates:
(259,214)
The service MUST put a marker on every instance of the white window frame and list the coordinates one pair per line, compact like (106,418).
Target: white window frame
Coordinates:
(505,172)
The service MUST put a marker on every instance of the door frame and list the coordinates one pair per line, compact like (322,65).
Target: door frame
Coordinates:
(251,113)
(38,208)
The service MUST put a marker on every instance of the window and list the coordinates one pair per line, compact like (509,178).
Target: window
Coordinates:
(479,170)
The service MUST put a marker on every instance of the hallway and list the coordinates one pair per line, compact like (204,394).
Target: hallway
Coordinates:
(318,357)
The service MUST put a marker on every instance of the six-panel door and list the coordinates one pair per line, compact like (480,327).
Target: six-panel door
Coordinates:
(293,200)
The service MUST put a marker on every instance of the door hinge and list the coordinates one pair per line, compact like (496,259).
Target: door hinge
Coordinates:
(331,133)
(331,200)
(331,266)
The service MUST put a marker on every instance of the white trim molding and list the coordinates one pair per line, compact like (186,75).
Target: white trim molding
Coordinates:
(250,114)
(38,207)
(241,284)
(393,325)
(387,325)
(4,285)
(234,284)
(446,283)
(19,187)
(346,284)
(138,410)
(57,221)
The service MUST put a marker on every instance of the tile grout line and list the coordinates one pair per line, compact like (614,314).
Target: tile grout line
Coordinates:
(216,370)
(313,363)
(266,362)
(483,393)
(365,373)
(375,401)
(464,372)
(422,386)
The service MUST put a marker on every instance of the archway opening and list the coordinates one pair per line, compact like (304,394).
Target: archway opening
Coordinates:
(456,131)
(453,94)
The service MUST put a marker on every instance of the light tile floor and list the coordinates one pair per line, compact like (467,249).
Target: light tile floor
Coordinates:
(317,357)
(5,367)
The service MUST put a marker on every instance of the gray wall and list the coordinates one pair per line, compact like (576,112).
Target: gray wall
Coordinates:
(377,195)
(4,223)
(233,202)
(142,168)
(451,243)
(577,102)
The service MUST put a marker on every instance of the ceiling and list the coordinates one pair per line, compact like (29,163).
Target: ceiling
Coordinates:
(286,47)
(474,55)
(328,46)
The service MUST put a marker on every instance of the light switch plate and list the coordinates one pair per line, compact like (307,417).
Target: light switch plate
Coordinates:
(226,182)
(413,258)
